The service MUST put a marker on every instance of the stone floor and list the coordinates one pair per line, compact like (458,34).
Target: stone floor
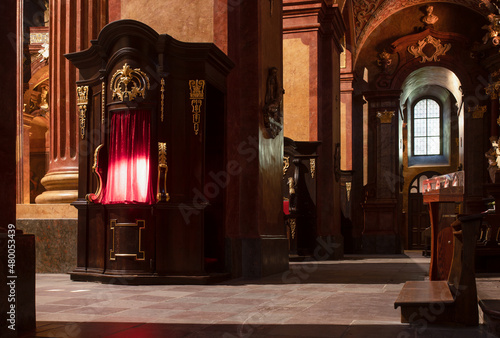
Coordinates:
(349,298)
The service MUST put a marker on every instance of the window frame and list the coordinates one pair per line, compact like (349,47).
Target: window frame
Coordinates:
(441,131)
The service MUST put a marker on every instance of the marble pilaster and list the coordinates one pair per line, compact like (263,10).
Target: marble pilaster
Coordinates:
(73,25)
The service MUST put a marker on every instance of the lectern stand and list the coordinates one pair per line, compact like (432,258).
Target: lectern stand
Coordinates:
(442,194)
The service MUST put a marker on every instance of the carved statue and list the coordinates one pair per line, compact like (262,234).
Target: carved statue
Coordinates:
(272,108)
(429,19)
(493,29)
(493,159)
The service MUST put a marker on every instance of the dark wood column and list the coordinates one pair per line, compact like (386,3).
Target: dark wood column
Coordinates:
(72,25)
(8,127)
(382,212)
(319,26)
(17,250)
(254,212)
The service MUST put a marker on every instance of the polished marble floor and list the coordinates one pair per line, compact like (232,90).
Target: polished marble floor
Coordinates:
(349,298)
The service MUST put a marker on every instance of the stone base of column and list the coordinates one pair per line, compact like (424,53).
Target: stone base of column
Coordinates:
(257,257)
(62,187)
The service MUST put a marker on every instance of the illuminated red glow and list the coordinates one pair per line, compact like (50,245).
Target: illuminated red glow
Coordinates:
(129,175)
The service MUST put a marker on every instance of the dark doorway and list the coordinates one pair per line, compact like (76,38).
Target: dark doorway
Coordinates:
(418,214)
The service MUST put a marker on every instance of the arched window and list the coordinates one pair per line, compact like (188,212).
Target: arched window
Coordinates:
(426,129)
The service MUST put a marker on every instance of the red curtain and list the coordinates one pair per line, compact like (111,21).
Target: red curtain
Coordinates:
(129,175)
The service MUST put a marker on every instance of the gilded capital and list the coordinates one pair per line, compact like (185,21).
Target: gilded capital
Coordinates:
(385,116)
(477,111)
(492,90)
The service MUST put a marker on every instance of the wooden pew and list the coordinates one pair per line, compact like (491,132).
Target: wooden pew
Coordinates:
(451,301)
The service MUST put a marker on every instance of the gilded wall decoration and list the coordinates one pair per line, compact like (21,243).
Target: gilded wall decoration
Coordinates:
(492,29)
(197,94)
(384,61)
(127,84)
(418,49)
(82,101)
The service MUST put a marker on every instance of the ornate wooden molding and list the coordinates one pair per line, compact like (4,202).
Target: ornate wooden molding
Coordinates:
(312,166)
(286,164)
(82,101)
(162,89)
(197,94)
(385,116)
(162,194)
(140,225)
(103,102)
(128,83)
(418,49)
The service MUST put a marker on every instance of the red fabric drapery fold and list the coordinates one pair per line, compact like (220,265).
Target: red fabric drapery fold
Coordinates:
(129,175)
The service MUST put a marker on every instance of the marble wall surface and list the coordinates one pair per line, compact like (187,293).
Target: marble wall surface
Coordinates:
(55,243)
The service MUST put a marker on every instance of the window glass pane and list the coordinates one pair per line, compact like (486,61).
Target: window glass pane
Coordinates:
(433,146)
(433,127)
(420,110)
(420,147)
(427,128)
(432,108)
(420,127)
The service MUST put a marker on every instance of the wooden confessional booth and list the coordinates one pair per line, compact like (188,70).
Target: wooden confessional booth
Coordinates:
(152,145)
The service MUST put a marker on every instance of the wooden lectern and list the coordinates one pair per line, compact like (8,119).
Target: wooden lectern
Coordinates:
(442,194)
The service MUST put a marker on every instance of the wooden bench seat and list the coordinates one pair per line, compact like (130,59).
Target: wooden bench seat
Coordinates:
(452,301)
(420,299)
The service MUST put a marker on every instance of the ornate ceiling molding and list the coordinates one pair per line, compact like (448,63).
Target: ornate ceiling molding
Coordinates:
(369,14)
(439,49)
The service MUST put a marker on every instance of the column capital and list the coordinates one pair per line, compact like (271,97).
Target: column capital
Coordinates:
(492,90)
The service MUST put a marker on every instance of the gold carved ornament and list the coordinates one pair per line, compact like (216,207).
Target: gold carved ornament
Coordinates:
(348,186)
(291,186)
(477,111)
(385,116)
(139,255)
(103,101)
(162,195)
(312,166)
(418,49)
(96,197)
(492,90)
(197,94)
(286,164)
(128,84)
(162,89)
(82,101)
(292,222)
